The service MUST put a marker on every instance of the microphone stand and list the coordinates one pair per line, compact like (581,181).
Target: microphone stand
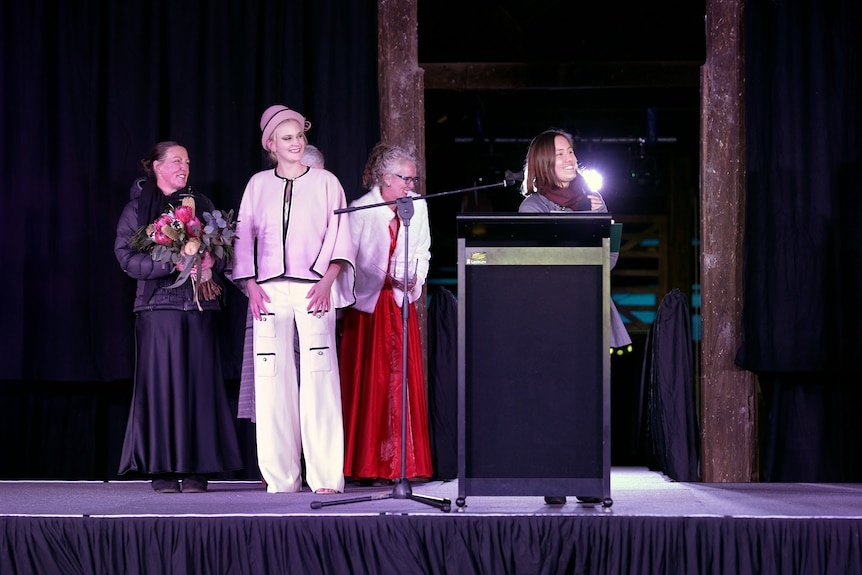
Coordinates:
(402,488)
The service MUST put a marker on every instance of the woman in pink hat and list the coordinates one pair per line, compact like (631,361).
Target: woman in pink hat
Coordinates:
(293,257)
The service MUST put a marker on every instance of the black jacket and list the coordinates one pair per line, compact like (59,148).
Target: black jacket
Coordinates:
(154,277)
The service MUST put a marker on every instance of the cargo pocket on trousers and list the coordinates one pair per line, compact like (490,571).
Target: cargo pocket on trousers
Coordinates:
(319,358)
(266,326)
(264,365)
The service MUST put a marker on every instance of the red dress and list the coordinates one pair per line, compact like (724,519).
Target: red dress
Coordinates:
(371,350)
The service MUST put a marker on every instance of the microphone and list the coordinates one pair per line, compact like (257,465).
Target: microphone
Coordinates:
(584,204)
(513,178)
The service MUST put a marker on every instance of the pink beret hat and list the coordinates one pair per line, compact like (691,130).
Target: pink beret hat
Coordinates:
(275,115)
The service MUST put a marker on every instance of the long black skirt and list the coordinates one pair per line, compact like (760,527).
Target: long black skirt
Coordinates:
(180,419)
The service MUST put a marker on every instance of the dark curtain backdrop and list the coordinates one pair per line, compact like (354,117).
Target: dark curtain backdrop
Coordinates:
(802,320)
(89,87)
(86,89)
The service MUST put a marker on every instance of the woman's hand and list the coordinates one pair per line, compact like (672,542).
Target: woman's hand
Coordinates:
(319,298)
(320,294)
(256,299)
(207,262)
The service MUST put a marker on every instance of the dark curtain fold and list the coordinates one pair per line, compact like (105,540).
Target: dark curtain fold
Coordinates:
(89,87)
(671,428)
(443,383)
(574,544)
(802,321)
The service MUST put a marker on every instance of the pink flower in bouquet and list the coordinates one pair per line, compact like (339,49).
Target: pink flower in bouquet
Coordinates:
(184,214)
(194,228)
(163,232)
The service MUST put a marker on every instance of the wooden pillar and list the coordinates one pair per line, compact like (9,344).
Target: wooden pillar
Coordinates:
(401,84)
(729,422)
(402,97)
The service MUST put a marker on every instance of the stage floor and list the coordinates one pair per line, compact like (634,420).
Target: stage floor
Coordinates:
(654,526)
(636,492)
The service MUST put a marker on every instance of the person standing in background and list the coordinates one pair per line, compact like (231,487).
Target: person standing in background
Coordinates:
(312,157)
(294,260)
(372,331)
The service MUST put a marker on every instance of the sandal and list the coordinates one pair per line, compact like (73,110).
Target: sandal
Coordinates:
(325,490)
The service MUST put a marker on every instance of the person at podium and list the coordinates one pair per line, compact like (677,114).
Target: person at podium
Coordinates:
(553,183)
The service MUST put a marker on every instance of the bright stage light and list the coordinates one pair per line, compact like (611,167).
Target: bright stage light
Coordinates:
(592,177)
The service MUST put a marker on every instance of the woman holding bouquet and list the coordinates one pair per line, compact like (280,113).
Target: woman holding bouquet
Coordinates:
(294,259)
(180,425)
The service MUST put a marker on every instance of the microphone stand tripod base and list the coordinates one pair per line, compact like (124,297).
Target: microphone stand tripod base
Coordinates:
(401,490)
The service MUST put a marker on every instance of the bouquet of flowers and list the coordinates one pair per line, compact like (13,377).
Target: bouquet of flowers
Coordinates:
(178,238)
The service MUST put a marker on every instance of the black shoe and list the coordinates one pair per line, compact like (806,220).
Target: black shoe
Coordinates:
(555,500)
(584,499)
(162,485)
(194,484)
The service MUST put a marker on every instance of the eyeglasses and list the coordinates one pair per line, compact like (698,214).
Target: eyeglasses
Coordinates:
(408,179)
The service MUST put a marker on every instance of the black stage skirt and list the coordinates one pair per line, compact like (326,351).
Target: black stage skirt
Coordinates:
(180,419)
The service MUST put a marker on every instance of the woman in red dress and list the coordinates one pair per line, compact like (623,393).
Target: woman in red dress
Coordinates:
(372,331)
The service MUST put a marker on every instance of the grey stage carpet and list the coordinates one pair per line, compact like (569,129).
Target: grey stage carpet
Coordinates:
(635,492)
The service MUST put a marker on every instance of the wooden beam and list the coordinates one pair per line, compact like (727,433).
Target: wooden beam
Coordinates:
(729,414)
(559,76)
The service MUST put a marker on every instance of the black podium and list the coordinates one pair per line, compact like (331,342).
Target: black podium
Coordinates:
(533,355)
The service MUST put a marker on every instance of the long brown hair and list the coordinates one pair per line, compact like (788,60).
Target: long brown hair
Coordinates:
(541,156)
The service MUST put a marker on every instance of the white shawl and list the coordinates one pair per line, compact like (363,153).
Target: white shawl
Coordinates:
(369,229)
